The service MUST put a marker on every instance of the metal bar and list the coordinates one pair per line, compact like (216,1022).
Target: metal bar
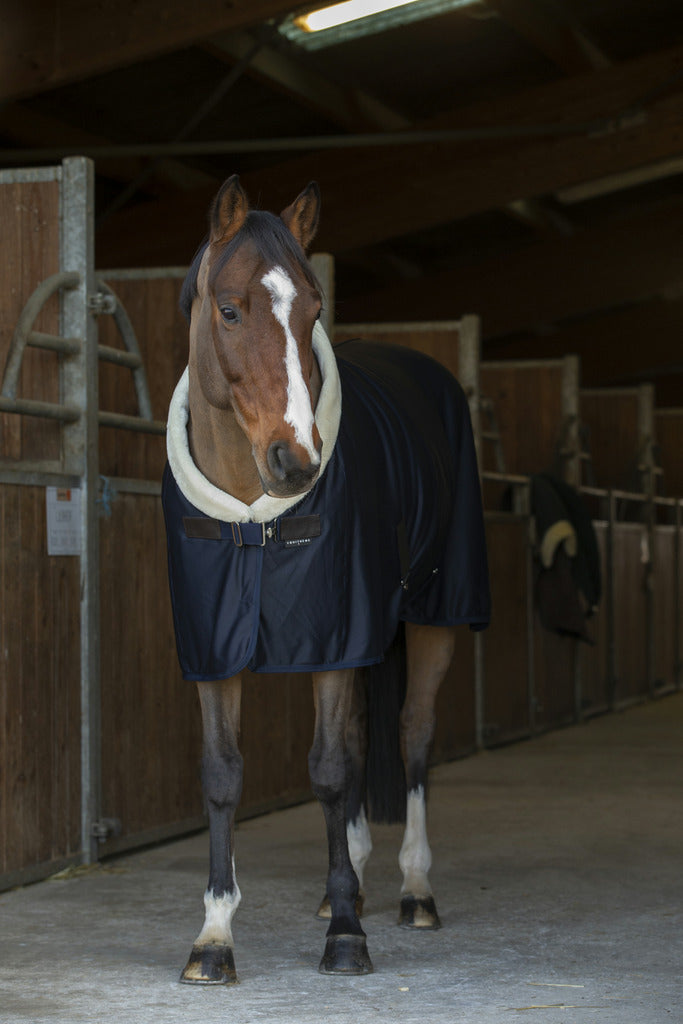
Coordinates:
(37,474)
(130,340)
(128,485)
(107,354)
(609,600)
(64,279)
(53,343)
(46,410)
(479,689)
(124,422)
(678,555)
(295,143)
(79,377)
(323,268)
(30,175)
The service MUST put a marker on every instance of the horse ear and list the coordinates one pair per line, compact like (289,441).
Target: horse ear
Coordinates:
(229,210)
(302,216)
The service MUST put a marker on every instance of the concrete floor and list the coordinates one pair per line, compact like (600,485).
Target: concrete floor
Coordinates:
(558,872)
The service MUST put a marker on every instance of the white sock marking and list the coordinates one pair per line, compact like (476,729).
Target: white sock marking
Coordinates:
(415,858)
(219,911)
(360,844)
(299,413)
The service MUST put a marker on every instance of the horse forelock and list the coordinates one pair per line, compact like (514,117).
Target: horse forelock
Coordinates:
(273,243)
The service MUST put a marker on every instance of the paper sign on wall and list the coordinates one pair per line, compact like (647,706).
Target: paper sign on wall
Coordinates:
(63,520)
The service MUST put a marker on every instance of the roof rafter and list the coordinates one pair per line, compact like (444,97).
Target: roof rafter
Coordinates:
(435,184)
(350,108)
(44,46)
(553,32)
(638,257)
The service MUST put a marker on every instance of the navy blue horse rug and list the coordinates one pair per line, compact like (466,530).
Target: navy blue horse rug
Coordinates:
(391,531)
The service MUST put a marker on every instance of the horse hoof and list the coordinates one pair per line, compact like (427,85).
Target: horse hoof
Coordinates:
(346,954)
(419,912)
(324,911)
(210,965)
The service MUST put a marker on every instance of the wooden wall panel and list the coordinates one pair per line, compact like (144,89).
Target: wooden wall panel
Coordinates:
(554,668)
(39,688)
(506,660)
(611,418)
(669,427)
(29,229)
(151,734)
(456,703)
(527,398)
(277,733)
(441,341)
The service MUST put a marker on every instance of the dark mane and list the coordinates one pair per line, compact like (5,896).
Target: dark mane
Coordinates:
(274,243)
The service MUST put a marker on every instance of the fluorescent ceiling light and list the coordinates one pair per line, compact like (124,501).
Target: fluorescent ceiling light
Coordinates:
(351,10)
(337,23)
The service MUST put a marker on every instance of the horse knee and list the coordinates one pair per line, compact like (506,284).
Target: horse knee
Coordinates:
(328,771)
(417,730)
(222,779)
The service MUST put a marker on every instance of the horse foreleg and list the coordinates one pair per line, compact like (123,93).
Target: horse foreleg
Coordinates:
(212,960)
(429,653)
(346,949)
(357,829)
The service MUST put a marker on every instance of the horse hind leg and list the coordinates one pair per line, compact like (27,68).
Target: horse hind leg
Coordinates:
(211,961)
(357,828)
(429,654)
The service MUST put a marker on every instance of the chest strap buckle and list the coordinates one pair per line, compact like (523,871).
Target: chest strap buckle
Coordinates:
(249,534)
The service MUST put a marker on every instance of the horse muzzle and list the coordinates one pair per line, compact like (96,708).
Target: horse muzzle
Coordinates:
(288,473)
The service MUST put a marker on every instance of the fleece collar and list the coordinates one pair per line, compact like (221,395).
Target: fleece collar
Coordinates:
(219,504)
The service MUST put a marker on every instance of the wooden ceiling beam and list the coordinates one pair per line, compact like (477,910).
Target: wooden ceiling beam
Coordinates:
(553,33)
(43,46)
(354,109)
(373,195)
(601,267)
(21,125)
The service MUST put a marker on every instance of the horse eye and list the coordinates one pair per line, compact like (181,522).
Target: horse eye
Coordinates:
(229,314)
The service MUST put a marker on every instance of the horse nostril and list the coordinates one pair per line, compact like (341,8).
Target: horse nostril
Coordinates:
(285,467)
(279,457)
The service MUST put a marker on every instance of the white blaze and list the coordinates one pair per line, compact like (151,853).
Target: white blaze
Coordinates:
(299,413)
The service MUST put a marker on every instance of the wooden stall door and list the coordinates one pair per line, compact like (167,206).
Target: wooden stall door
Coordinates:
(618,424)
(40,792)
(631,581)
(534,406)
(507,694)
(669,427)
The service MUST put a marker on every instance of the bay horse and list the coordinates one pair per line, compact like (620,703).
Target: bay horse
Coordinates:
(320,506)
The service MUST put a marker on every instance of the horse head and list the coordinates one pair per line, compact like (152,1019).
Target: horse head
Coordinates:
(255,304)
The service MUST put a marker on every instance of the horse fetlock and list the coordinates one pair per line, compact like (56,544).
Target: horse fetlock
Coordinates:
(419,912)
(324,911)
(346,954)
(210,964)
